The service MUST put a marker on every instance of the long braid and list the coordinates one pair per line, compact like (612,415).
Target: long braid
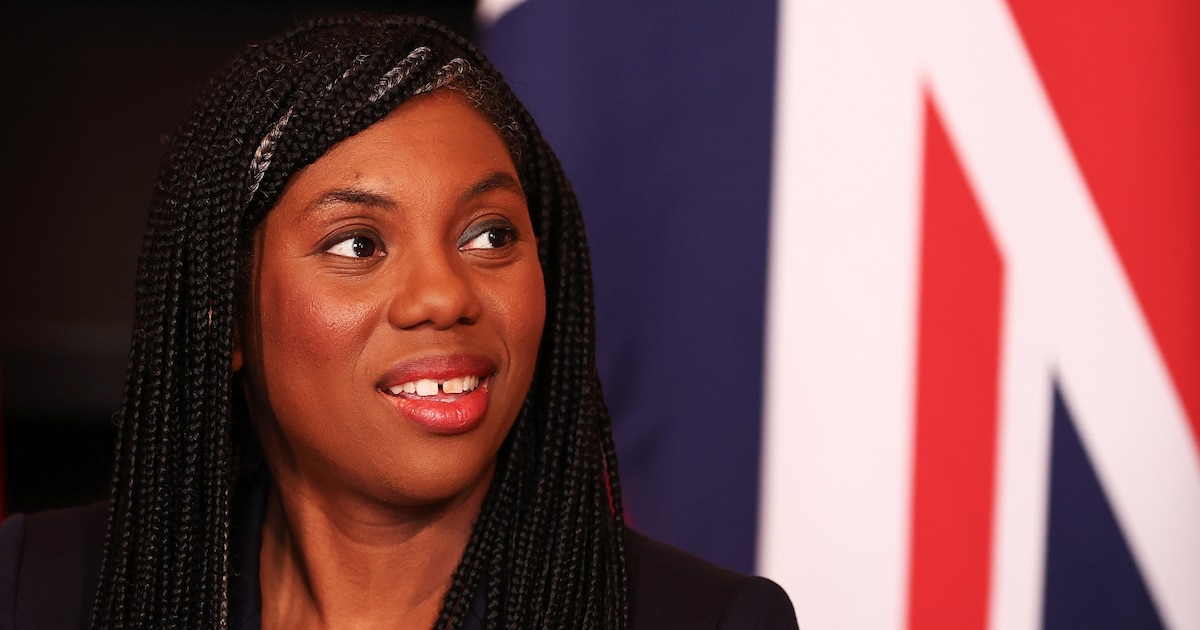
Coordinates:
(547,549)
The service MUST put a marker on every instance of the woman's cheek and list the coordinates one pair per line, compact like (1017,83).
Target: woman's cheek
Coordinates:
(325,323)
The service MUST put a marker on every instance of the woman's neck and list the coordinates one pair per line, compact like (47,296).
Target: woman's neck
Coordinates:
(344,562)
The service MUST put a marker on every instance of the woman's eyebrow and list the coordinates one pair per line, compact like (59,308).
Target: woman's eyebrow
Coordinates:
(499,180)
(354,196)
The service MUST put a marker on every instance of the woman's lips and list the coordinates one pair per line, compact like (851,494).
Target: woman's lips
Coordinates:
(444,395)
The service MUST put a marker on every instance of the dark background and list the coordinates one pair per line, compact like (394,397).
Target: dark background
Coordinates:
(89,92)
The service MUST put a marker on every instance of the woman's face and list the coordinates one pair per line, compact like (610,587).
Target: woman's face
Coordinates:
(396,310)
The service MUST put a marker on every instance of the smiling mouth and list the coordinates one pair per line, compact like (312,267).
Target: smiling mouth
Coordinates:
(444,390)
(446,398)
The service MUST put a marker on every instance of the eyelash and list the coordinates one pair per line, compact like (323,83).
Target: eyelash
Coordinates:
(377,248)
(492,228)
(495,229)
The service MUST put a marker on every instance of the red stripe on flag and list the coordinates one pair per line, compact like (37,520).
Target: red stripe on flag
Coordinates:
(956,398)
(1124,79)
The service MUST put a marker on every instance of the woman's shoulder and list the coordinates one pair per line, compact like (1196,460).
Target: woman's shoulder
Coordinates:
(50,566)
(672,588)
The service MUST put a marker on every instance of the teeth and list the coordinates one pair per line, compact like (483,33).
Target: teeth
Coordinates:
(430,387)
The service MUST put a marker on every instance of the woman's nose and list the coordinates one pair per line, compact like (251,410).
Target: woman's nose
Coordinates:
(435,290)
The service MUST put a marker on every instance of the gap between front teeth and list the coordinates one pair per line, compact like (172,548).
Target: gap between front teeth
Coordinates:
(430,387)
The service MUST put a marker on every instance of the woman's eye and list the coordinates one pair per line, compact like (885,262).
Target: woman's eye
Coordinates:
(488,237)
(356,247)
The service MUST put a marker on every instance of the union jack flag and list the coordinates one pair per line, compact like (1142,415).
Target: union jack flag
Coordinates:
(899,302)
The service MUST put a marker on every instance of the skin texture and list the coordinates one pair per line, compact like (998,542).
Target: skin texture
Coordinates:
(404,251)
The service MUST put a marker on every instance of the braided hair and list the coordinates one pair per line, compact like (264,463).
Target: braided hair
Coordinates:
(547,549)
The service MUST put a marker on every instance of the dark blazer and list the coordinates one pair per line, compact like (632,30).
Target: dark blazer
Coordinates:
(50,565)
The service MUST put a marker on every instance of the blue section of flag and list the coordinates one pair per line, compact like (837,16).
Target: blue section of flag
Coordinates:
(662,116)
(1092,580)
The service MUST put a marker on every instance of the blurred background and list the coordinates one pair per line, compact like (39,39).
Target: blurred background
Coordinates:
(898,302)
(92,89)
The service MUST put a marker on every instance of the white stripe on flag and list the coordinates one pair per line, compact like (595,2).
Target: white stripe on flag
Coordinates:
(487,12)
(841,330)
(841,312)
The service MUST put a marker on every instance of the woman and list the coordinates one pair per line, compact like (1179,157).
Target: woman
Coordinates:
(362,390)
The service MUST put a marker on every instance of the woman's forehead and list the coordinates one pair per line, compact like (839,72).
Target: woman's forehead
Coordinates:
(435,143)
